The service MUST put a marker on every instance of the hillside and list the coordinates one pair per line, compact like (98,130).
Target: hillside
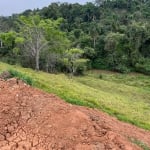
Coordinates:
(119,95)
(35,120)
(76,77)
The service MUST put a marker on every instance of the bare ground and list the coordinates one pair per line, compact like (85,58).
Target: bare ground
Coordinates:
(34,120)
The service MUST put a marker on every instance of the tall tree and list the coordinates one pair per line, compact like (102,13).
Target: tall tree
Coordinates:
(73,60)
(7,40)
(39,35)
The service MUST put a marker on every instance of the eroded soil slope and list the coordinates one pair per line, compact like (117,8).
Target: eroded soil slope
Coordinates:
(33,120)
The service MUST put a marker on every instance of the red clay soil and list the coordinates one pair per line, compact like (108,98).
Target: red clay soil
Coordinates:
(34,120)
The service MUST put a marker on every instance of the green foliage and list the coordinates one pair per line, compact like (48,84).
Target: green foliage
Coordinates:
(100,76)
(100,63)
(8,43)
(40,38)
(143,66)
(73,61)
(8,38)
(21,76)
(89,52)
(122,68)
(140,144)
(114,35)
(115,52)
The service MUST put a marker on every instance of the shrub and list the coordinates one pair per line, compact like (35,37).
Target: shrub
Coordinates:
(143,68)
(100,63)
(122,68)
(100,76)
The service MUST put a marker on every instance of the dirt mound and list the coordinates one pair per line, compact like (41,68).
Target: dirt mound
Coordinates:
(33,120)
(5,75)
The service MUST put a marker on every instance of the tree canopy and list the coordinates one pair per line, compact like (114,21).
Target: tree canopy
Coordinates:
(113,34)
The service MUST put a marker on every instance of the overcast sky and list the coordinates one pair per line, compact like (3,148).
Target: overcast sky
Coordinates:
(8,7)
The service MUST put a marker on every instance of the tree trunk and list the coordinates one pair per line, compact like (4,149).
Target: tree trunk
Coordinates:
(37,61)
(94,42)
(1,44)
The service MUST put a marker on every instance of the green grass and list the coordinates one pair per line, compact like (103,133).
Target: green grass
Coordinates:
(129,101)
(132,79)
(139,143)
(21,76)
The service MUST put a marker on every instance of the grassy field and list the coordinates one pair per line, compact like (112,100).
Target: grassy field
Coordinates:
(125,96)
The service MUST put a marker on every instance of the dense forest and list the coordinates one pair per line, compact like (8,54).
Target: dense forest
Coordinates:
(106,34)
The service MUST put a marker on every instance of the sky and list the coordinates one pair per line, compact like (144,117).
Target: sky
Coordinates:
(9,7)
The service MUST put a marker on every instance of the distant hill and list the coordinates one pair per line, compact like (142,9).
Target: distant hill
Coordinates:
(114,34)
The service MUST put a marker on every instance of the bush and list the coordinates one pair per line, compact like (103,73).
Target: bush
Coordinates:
(100,63)
(9,60)
(143,66)
(122,68)
(21,76)
(81,68)
(100,76)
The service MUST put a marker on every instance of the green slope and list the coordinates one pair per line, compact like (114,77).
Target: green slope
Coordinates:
(114,94)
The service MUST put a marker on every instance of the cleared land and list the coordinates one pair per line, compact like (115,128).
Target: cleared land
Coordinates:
(31,119)
(125,96)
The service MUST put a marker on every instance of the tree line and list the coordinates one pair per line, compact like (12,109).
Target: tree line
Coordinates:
(106,34)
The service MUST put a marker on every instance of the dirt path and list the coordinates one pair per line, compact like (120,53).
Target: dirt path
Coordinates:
(33,120)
